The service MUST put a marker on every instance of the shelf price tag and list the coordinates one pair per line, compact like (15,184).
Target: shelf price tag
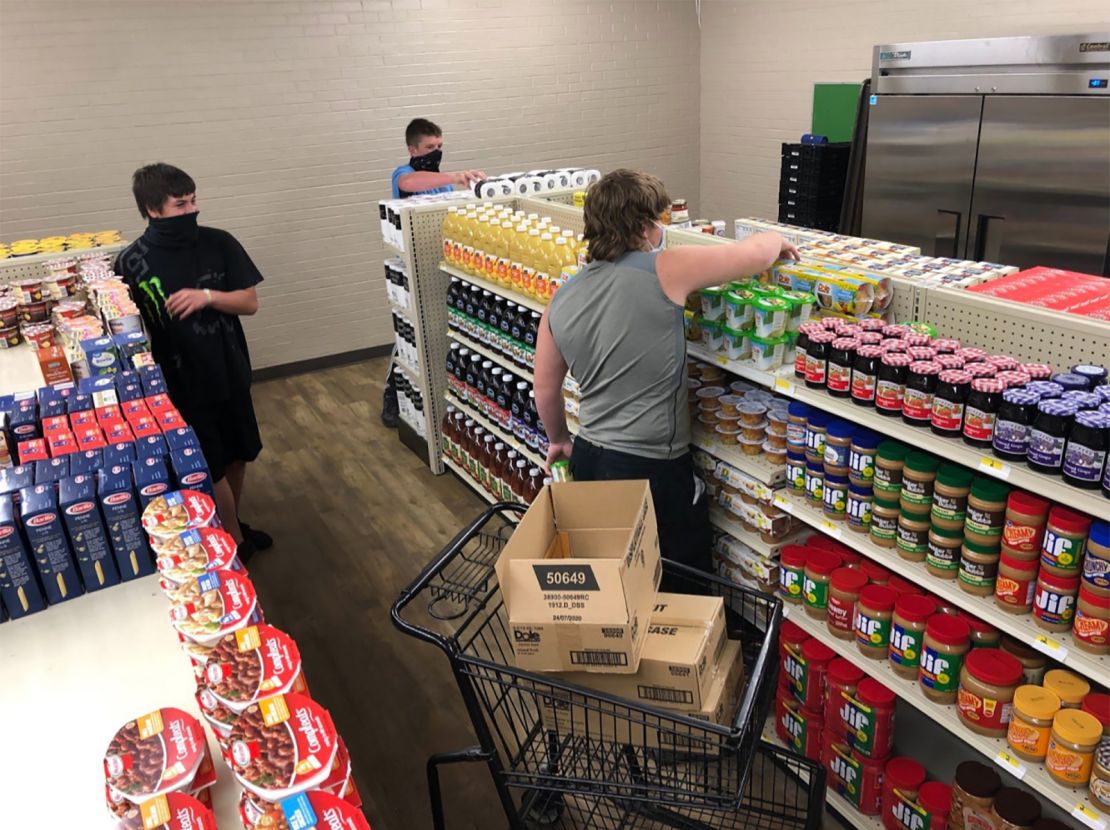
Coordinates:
(1046,645)
(829,528)
(784,386)
(722,360)
(1088,816)
(994,467)
(1011,764)
(782,503)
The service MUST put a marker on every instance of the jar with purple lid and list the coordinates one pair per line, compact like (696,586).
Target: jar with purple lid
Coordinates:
(1103,393)
(1045,388)
(1085,455)
(1049,435)
(1095,374)
(1085,400)
(1070,380)
(1014,422)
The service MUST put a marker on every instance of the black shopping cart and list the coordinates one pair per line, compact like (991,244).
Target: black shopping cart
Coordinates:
(566,757)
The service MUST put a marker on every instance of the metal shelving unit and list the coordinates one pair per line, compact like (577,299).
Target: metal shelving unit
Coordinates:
(1032,775)
(494,288)
(723,521)
(1056,645)
(468,480)
(33,266)
(754,466)
(496,357)
(510,440)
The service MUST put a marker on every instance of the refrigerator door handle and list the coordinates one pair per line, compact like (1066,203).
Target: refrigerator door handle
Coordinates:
(948,239)
(987,250)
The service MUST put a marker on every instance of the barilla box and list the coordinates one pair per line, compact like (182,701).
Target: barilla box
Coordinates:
(89,438)
(144,425)
(135,408)
(87,534)
(143,360)
(46,537)
(31,450)
(53,365)
(159,403)
(55,423)
(126,377)
(19,584)
(78,403)
(24,421)
(154,386)
(191,471)
(152,479)
(51,471)
(86,462)
(579,577)
(52,408)
(101,356)
(14,479)
(102,391)
(108,413)
(130,344)
(120,508)
(47,394)
(118,432)
(130,392)
(152,446)
(170,419)
(685,640)
(180,438)
(119,454)
(84,418)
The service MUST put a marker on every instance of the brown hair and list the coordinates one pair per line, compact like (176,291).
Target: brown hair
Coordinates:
(618,208)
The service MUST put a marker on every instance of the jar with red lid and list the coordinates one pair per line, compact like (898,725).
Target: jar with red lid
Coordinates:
(1002,362)
(874,611)
(1097,705)
(894,344)
(946,345)
(1023,531)
(855,777)
(870,338)
(1016,584)
(808,677)
(934,801)
(876,573)
(921,385)
(1091,628)
(865,373)
(904,775)
(817,358)
(949,361)
(792,563)
(819,567)
(845,585)
(982,633)
(919,353)
(896,331)
(1054,601)
(988,680)
(842,356)
(980,411)
(842,678)
(890,385)
(800,346)
(947,416)
(972,354)
(1013,379)
(1064,538)
(907,633)
(801,728)
(867,719)
(979,370)
(903,586)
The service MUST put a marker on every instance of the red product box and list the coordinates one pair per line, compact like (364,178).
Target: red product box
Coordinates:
(61,443)
(135,408)
(109,413)
(54,366)
(170,419)
(82,419)
(144,425)
(159,402)
(57,423)
(90,438)
(118,432)
(33,449)
(1038,282)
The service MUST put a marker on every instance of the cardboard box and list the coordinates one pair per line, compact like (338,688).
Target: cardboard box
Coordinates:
(54,366)
(78,402)
(32,450)
(46,537)
(52,470)
(19,584)
(90,438)
(191,471)
(101,389)
(101,356)
(61,444)
(579,577)
(170,419)
(686,637)
(152,446)
(14,479)
(179,439)
(23,422)
(144,425)
(129,392)
(86,462)
(120,508)
(152,479)
(118,432)
(119,454)
(87,534)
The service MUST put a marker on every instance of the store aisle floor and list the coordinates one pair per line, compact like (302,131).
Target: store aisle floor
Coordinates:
(355,517)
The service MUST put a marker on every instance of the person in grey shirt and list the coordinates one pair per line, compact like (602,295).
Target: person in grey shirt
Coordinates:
(618,327)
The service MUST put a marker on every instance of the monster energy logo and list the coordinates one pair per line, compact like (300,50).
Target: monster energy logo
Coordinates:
(152,288)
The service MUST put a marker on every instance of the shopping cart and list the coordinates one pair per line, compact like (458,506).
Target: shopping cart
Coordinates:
(570,758)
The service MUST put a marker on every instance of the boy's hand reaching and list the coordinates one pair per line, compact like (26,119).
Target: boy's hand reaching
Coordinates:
(186,302)
(465,178)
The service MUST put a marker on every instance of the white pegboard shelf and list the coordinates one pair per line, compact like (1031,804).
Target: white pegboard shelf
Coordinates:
(468,480)
(490,354)
(18,267)
(509,439)
(754,466)
(1031,774)
(500,290)
(720,519)
(1055,645)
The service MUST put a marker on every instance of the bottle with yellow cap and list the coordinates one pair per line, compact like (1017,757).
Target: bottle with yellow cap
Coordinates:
(508,235)
(516,255)
(448,234)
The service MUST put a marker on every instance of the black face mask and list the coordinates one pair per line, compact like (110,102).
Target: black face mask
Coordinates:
(173,231)
(427,163)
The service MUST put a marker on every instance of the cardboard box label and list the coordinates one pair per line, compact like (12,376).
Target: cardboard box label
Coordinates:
(566,578)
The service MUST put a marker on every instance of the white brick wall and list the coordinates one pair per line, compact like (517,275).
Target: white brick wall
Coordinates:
(760,59)
(291,115)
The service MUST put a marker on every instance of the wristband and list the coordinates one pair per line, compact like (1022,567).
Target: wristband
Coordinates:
(208,296)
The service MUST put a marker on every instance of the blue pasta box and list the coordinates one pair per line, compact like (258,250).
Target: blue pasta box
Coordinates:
(191,471)
(78,403)
(120,508)
(58,392)
(87,534)
(119,454)
(101,356)
(52,470)
(180,438)
(46,537)
(20,591)
(86,462)
(101,390)
(24,422)
(130,392)
(152,446)
(154,386)
(130,344)
(14,479)
(147,373)
(52,408)
(152,479)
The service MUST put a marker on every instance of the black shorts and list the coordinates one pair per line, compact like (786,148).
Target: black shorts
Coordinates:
(227,431)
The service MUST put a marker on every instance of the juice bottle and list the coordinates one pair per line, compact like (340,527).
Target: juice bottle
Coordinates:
(448,233)
(572,243)
(466,241)
(507,236)
(564,257)
(543,266)
(532,257)
(487,262)
(516,252)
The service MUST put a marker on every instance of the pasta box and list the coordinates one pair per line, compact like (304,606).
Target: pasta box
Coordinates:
(118,432)
(86,462)
(78,403)
(24,421)
(180,438)
(90,438)
(61,444)
(152,446)
(191,471)
(152,379)
(130,391)
(52,408)
(46,537)
(170,419)
(129,344)
(101,356)
(120,508)
(19,585)
(51,470)
(102,391)
(32,450)
(119,454)
(159,403)
(144,425)
(87,533)
(135,408)
(14,479)
(84,418)
(108,413)
(55,423)
(152,479)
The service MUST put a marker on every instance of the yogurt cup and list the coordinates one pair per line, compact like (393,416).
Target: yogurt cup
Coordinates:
(749,446)
(770,314)
(713,335)
(736,343)
(39,335)
(282,745)
(30,290)
(712,304)
(171,514)
(317,808)
(159,752)
(193,553)
(190,805)
(775,455)
(767,353)
(738,309)
(37,312)
(10,337)
(213,605)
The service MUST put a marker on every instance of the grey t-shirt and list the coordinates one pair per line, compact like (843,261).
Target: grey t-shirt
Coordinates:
(623,340)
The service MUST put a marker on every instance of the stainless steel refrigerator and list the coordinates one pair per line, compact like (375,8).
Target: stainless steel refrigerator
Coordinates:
(994,150)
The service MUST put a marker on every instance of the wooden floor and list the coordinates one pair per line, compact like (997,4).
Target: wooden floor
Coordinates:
(355,517)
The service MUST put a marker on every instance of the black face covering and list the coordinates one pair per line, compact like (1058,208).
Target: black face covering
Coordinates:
(427,163)
(173,231)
